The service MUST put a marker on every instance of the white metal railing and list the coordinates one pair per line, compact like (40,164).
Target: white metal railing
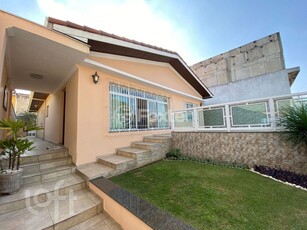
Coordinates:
(251,115)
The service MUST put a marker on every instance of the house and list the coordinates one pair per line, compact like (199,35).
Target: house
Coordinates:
(252,71)
(93,91)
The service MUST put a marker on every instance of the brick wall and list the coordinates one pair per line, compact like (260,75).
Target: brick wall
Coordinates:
(248,148)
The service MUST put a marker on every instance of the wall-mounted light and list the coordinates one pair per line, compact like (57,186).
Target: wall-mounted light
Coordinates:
(95,77)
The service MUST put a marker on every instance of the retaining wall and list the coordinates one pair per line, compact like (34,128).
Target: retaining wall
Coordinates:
(264,148)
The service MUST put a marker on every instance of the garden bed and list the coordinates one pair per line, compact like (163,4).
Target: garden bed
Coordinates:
(283,175)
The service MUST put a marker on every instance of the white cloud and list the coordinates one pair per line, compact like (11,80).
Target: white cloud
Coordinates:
(133,19)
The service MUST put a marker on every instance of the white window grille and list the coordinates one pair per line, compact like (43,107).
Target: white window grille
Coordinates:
(133,109)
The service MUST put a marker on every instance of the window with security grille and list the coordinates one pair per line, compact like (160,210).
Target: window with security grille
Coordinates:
(133,109)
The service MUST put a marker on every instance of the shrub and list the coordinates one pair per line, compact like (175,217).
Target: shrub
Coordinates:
(174,154)
(294,123)
(283,175)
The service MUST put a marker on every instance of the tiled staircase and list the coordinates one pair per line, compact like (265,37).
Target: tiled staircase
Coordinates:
(151,149)
(52,197)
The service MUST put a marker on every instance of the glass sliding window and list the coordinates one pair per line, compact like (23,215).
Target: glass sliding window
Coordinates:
(163,115)
(132,109)
(152,114)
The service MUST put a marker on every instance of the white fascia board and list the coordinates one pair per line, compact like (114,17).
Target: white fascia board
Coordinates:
(122,74)
(194,75)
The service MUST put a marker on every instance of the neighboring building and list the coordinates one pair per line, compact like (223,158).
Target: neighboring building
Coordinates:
(139,84)
(255,70)
(21,103)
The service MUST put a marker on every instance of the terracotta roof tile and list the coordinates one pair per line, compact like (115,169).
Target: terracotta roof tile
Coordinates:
(100,32)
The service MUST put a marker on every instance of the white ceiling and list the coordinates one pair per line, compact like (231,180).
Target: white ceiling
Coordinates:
(28,53)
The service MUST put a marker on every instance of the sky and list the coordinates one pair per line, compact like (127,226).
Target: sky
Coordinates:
(196,29)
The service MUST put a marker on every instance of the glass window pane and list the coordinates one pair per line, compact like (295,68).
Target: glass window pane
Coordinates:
(137,110)
(184,119)
(153,114)
(132,113)
(163,115)
(211,117)
(252,114)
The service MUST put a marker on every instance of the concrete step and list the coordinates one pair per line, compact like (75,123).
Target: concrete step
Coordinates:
(36,193)
(169,135)
(99,222)
(94,170)
(36,167)
(117,162)
(158,149)
(157,139)
(144,145)
(47,174)
(134,153)
(62,211)
(49,155)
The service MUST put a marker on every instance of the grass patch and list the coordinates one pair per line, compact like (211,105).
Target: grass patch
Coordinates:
(216,197)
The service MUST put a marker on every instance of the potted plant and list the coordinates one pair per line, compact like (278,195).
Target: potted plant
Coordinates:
(13,147)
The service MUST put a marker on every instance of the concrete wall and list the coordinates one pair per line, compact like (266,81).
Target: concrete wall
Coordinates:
(253,59)
(247,148)
(267,85)
(252,71)
(22,103)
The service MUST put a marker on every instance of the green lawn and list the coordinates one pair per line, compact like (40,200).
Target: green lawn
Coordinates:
(216,197)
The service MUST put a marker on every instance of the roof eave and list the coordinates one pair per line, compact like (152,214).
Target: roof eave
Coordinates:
(113,44)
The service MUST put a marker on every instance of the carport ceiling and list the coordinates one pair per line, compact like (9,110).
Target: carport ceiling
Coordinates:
(38,64)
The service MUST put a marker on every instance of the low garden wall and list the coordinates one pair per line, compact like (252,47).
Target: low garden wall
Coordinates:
(261,148)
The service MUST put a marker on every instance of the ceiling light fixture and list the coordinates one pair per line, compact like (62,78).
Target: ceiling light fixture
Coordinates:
(36,76)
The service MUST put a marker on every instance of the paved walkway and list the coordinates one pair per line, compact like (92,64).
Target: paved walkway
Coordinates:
(42,147)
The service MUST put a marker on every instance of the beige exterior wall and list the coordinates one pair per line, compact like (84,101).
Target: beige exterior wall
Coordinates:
(160,73)
(50,116)
(54,117)
(126,219)
(87,114)
(40,121)
(71,115)
(3,80)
